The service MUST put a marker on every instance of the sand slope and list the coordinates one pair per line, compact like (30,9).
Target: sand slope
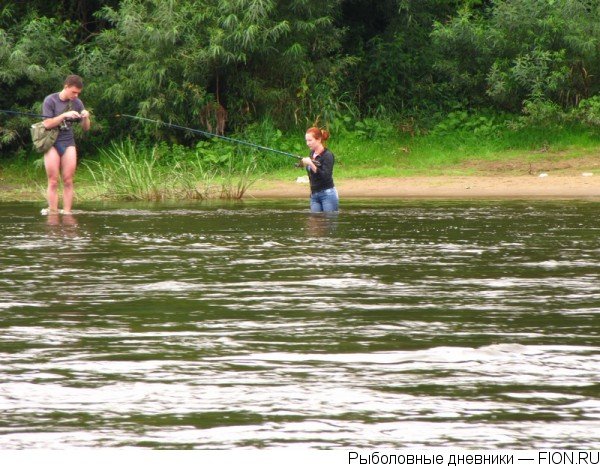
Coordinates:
(516,187)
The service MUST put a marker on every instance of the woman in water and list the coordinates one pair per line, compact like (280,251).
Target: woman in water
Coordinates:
(319,165)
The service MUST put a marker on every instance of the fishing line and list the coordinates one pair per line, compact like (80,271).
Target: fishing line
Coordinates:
(14,112)
(172,125)
(206,133)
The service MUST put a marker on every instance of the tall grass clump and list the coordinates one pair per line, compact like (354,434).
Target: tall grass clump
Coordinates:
(235,182)
(134,172)
(124,172)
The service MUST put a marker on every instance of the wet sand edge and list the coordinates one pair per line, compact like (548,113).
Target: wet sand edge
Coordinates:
(559,187)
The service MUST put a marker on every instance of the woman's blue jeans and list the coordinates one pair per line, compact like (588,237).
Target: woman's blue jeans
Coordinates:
(324,201)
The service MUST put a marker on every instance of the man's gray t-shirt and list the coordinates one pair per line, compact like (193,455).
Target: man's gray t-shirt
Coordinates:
(54,106)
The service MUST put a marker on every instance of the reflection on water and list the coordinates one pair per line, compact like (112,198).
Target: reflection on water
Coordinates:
(321,224)
(62,225)
(403,325)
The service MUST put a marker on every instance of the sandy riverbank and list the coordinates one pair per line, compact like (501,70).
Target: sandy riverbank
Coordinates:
(516,187)
(433,187)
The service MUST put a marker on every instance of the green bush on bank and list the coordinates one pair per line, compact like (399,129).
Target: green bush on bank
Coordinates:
(213,168)
(296,63)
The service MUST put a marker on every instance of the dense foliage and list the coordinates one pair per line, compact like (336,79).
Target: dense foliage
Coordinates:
(241,63)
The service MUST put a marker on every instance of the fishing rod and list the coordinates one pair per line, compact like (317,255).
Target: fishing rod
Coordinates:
(172,125)
(206,133)
(15,112)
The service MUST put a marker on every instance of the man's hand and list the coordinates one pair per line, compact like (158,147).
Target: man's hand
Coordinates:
(71,115)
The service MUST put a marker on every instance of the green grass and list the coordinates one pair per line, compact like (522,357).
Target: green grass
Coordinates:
(465,153)
(214,169)
(125,171)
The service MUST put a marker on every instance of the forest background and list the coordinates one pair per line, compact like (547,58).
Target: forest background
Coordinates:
(404,86)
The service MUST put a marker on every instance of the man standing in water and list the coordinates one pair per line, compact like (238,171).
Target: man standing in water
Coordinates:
(62,109)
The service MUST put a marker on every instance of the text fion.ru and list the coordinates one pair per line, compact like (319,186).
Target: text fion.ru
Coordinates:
(569,457)
(562,458)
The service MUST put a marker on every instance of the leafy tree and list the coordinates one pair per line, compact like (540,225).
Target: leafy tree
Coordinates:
(296,62)
(35,57)
(392,40)
(518,50)
(283,58)
(170,59)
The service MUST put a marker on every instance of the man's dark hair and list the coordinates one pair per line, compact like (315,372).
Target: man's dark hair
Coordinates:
(74,80)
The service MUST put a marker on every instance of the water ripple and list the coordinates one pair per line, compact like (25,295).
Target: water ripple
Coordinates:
(405,325)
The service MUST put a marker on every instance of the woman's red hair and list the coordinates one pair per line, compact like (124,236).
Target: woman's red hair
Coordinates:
(318,134)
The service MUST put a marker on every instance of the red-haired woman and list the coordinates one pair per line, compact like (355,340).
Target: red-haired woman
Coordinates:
(323,195)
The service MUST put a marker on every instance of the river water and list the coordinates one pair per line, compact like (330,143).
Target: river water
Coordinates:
(410,324)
